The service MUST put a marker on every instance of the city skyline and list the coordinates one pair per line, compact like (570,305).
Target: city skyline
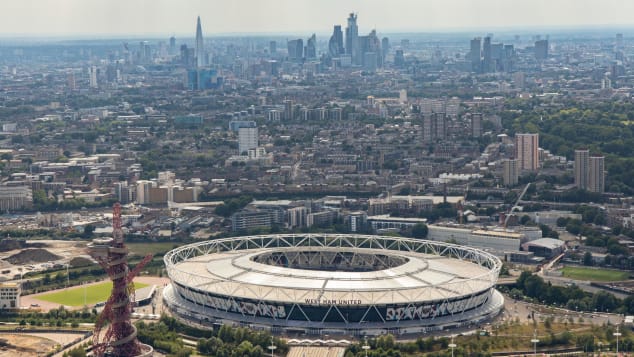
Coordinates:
(74,18)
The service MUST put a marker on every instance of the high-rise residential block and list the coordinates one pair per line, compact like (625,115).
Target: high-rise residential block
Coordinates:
(527,151)
(476,125)
(582,158)
(596,174)
(510,172)
(589,171)
(247,139)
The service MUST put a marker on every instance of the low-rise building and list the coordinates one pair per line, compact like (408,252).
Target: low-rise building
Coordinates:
(497,241)
(383,222)
(10,295)
(15,198)
(545,247)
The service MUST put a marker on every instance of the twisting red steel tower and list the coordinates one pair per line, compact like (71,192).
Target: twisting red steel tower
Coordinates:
(119,339)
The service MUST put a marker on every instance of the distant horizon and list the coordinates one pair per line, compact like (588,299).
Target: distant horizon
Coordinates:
(608,30)
(81,19)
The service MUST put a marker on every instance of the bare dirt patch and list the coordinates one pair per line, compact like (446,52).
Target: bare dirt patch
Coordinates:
(14,345)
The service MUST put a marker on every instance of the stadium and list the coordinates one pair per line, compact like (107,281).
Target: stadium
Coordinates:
(336,284)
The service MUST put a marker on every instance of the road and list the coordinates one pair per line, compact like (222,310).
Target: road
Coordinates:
(583,285)
(519,199)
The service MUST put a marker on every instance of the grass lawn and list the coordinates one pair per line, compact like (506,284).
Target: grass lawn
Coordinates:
(75,296)
(594,274)
(143,249)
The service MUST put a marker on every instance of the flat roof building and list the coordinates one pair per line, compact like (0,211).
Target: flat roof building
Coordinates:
(10,295)
(497,241)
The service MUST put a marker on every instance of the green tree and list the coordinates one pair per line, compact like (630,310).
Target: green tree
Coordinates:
(77,352)
(420,231)
(89,229)
(587,259)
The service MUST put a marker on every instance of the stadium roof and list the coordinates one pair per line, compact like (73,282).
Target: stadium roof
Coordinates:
(421,277)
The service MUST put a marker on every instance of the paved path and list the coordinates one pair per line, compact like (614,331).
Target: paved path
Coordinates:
(313,351)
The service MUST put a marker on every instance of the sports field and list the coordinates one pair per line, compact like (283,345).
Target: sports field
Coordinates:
(83,295)
(594,274)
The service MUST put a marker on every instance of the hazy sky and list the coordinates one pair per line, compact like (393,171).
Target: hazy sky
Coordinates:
(166,17)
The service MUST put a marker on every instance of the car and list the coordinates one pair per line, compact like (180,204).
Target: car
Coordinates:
(35,305)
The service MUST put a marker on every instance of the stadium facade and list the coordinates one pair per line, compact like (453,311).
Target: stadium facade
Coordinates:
(332,284)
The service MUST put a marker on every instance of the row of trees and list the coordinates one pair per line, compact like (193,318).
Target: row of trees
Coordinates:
(572,297)
(226,341)
(60,279)
(238,342)
(57,317)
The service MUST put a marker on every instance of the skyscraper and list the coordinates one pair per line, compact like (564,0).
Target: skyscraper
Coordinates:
(475,55)
(370,50)
(508,57)
(172,48)
(247,139)
(335,45)
(311,48)
(295,50)
(399,59)
(385,47)
(486,55)
(582,157)
(541,50)
(200,49)
(352,39)
(596,174)
(527,151)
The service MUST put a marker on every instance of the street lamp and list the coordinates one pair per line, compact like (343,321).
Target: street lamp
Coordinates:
(617,334)
(365,347)
(272,347)
(534,342)
(452,346)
